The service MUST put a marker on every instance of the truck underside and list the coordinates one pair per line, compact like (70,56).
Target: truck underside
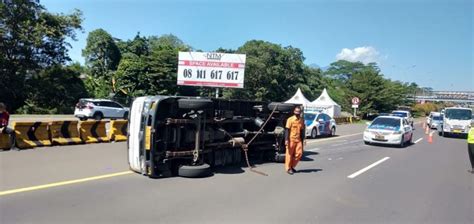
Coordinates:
(188,136)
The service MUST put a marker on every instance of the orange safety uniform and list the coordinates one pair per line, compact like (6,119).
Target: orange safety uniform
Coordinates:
(294,150)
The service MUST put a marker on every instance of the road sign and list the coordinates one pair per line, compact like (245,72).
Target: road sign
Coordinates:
(355,106)
(355,100)
(211,69)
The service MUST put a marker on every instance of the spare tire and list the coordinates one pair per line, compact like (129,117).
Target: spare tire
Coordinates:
(203,170)
(281,107)
(194,104)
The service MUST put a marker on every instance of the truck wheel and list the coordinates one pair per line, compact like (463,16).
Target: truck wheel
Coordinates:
(281,107)
(280,158)
(203,170)
(194,104)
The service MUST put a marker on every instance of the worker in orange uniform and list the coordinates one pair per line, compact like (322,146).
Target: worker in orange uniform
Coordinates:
(294,138)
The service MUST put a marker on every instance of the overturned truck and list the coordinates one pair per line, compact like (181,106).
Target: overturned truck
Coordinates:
(186,136)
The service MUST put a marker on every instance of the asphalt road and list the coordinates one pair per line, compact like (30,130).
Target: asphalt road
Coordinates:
(422,183)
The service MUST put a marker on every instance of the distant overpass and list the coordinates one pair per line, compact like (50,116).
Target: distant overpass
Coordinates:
(461,97)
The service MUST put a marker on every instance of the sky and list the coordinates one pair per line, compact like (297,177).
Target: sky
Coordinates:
(429,42)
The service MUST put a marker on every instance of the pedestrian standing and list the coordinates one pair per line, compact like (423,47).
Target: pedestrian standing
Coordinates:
(470,146)
(4,119)
(294,138)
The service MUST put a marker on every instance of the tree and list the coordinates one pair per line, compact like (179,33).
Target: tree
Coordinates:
(272,72)
(64,89)
(32,39)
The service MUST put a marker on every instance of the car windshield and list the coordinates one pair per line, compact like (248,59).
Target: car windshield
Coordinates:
(437,118)
(385,123)
(458,114)
(309,117)
(400,114)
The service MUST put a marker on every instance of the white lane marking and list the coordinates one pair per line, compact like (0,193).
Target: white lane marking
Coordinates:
(367,168)
(313,149)
(418,140)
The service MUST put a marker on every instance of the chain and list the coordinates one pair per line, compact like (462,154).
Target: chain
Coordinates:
(245,147)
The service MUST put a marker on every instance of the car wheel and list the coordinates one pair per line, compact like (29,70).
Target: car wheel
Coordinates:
(445,134)
(203,170)
(402,143)
(194,104)
(314,133)
(281,107)
(83,118)
(333,131)
(125,115)
(440,134)
(366,142)
(98,116)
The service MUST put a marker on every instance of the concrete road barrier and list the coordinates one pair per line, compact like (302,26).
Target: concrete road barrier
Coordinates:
(93,131)
(31,134)
(4,141)
(65,133)
(118,130)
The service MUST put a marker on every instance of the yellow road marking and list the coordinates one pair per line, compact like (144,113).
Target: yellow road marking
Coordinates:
(62,183)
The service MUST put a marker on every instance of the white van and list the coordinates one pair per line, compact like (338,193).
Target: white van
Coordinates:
(457,120)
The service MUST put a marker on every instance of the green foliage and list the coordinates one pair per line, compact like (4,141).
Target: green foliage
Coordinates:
(272,72)
(32,40)
(425,109)
(33,54)
(54,90)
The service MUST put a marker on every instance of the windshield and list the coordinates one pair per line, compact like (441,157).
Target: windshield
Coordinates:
(385,123)
(309,116)
(458,114)
(400,114)
(437,118)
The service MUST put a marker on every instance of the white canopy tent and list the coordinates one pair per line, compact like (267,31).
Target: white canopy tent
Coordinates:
(298,98)
(324,104)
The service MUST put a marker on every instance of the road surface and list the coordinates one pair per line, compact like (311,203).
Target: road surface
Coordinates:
(340,180)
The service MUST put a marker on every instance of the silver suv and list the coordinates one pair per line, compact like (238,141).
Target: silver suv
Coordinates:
(99,108)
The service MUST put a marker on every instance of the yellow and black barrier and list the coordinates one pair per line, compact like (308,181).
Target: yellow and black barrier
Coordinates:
(118,130)
(64,133)
(93,131)
(4,141)
(31,134)
(341,120)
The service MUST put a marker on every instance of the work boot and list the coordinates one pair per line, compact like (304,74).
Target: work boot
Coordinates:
(290,172)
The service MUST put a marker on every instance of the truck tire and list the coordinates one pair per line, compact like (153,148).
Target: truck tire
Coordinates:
(281,107)
(203,170)
(194,104)
(280,158)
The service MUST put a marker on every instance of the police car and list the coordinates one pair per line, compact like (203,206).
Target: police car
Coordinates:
(392,130)
(319,124)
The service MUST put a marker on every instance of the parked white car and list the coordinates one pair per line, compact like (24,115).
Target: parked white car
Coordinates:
(393,130)
(318,124)
(100,108)
(435,119)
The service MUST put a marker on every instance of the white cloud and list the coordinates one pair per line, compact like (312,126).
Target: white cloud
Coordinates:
(363,54)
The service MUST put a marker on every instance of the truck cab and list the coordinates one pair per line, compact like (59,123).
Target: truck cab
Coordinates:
(456,120)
